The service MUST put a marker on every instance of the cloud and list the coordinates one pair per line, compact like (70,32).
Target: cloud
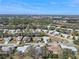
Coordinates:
(28,5)
(71,3)
(20,8)
(35,6)
(74,3)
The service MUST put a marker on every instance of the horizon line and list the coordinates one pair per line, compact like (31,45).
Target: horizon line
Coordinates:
(43,14)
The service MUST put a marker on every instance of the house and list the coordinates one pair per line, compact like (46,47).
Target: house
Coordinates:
(37,51)
(11,31)
(50,32)
(7,39)
(70,37)
(76,37)
(37,39)
(12,47)
(54,48)
(1,39)
(1,26)
(5,49)
(17,31)
(5,30)
(65,35)
(8,48)
(38,30)
(18,38)
(71,30)
(45,39)
(44,30)
(56,33)
(57,27)
(26,39)
(23,49)
(32,30)
(48,26)
(68,46)
(77,30)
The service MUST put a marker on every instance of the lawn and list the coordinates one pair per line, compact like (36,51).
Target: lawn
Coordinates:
(18,57)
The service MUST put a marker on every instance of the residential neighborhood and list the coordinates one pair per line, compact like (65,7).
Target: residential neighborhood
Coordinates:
(38,37)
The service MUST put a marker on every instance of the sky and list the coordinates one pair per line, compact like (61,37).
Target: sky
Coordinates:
(55,7)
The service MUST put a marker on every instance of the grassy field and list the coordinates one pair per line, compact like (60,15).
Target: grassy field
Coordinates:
(78,51)
(19,57)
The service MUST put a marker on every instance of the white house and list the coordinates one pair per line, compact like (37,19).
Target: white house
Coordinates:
(69,29)
(72,48)
(76,37)
(51,32)
(65,35)
(37,39)
(17,31)
(23,49)
(12,31)
(26,39)
(56,33)
(32,30)
(5,30)
(5,49)
(19,38)
(38,30)
(38,51)
(45,39)
(70,37)
(44,30)
(7,39)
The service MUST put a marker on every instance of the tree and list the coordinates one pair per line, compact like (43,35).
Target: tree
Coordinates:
(76,42)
